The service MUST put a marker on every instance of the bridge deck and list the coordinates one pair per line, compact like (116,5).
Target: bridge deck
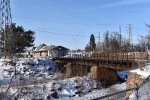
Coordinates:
(120,61)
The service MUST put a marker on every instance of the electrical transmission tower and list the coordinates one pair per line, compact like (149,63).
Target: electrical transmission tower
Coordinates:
(6,36)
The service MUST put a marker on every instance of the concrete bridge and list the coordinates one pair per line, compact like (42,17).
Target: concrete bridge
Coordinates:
(102,66)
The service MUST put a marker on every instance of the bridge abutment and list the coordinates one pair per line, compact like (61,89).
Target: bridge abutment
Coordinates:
(76,70)
(104,75)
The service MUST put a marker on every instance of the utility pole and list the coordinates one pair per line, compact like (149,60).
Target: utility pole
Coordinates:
(130,35)
(120,30)
(99,37)
(6,35)
(76,44)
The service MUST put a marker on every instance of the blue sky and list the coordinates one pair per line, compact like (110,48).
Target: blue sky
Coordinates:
(71,22)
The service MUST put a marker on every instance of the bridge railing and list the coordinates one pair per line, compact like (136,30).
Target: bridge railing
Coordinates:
(111,56)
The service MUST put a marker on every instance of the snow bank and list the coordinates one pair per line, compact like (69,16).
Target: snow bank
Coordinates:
(26,67)
(143,72)
(67,89)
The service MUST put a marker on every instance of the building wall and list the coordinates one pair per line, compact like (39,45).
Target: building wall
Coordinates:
(38,54)
(58,53)
(45,53)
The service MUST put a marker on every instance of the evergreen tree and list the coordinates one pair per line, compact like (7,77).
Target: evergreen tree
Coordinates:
(22,39)
(30,37)
(92,43)
(91,46)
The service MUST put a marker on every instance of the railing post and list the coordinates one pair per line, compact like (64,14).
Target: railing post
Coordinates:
(133,55)
(117,56)
(127,56)
(108,56)
(137,89)
(147,55)
(104,56)
(122,57)
(140,55)
(111,56)
(100,56)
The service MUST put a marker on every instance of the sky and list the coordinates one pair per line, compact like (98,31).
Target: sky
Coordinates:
(70,22)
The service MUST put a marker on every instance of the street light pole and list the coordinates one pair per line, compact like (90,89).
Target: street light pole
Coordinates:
(76,44)
(99,42)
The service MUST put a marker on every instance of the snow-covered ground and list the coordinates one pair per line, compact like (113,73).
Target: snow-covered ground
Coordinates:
(25,68)
(65,89)
(38,78)
(143,72)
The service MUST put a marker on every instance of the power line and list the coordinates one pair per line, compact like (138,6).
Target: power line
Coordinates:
(62,34)
(66,34)
(120,30)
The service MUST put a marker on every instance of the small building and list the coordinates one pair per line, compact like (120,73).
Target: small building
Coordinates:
(51,51)
(42,50)
(59,51)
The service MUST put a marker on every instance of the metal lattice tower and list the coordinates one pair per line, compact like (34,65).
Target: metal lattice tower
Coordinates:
(5,29)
